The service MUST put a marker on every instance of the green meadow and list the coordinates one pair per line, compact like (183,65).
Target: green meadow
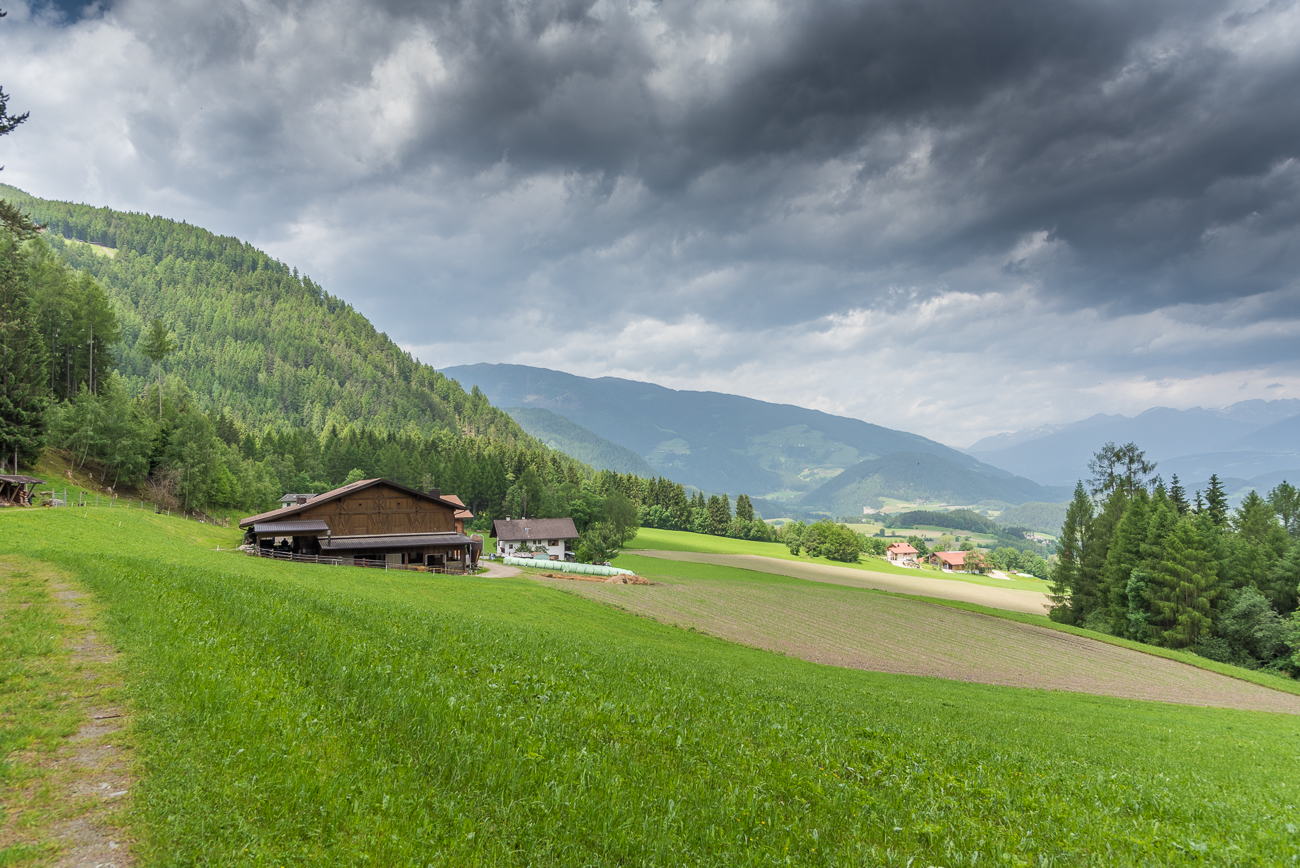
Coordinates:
(653,539)
(288,714)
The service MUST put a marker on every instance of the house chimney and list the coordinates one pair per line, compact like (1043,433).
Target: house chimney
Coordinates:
(435,492)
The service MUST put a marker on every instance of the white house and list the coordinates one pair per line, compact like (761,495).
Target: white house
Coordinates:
(901,553)
(548,537)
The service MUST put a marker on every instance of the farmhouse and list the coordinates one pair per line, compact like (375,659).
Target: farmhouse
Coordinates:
(548,537)
(901,553)
(373,521)
(16,489)
(948,561)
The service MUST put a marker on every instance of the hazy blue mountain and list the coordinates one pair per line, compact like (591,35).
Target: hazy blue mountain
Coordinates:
(1282,436)
(1186,442)
(1043,517)
(572,439)
(921,476)
(716,442)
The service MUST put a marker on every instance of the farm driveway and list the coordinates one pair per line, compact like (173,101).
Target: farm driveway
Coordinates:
(1010,599)
(894,634)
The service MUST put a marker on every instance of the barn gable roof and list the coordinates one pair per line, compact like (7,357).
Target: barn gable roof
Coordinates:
(344,491)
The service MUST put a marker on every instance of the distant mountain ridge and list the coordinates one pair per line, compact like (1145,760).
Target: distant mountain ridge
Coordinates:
(1245,440)
(728,443)
(572,439)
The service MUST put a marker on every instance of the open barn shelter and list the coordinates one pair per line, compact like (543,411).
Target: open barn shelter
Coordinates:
(16,489)
(373,521)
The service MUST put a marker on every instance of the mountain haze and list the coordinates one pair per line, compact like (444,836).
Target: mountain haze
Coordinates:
(728,443)
(1244,440)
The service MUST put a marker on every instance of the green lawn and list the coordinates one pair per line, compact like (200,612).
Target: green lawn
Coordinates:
(293,714)
(653,539)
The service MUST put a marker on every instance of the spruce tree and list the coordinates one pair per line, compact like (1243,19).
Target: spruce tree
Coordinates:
(1216,502)
(1257,544)
(1282,587)
(1070,547)
(1178,497)
(1183,588)
(744,508)
(24,387)
(1122,558)
(1285,500)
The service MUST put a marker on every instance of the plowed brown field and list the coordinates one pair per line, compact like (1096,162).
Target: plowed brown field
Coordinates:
(844,627)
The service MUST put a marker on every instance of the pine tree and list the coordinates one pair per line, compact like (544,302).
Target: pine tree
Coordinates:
(1216,502)
(1122,558)
(744,508)
(1183,589)
(1283,585)
(157,344)
(1178,497)
(24,388)
(1070,546)
(1258,542)
(1285,500)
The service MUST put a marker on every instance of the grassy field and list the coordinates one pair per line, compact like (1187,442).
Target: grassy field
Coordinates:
(301,715)
(652,539)
(884,632)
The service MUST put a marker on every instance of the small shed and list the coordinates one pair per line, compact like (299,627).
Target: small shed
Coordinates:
(16,489)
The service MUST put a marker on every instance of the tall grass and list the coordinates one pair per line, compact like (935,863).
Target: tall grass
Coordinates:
(296,714)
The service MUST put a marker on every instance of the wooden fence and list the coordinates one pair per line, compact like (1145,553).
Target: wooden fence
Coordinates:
(115,502)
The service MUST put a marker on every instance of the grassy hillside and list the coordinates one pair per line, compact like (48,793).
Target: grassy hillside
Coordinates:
(256,339)
(291,714)
(572,439)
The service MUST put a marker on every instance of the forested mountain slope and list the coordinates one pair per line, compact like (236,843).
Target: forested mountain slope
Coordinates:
(572,439)
(924,476)
(256,340)
(713,441)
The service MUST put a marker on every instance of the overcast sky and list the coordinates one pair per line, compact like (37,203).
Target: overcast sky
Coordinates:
(955,218)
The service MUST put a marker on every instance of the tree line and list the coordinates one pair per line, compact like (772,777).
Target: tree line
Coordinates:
(1141,559)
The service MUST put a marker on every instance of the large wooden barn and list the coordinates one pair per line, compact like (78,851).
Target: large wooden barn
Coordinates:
(373,521)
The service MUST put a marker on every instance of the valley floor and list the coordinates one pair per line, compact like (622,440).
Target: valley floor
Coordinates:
(916,582)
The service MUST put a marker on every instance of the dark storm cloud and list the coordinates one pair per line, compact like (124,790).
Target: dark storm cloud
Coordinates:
(1119,177)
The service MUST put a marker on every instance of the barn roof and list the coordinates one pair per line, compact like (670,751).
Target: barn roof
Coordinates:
(292,528)
(392,541)
(534,528)
(952,559)
(344,491)
(19,479)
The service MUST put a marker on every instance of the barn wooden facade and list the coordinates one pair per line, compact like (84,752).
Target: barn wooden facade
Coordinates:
(373,520)
(16,489)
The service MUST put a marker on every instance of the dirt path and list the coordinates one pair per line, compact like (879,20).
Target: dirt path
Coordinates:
(69,787)
(1010,599)
(499,571)
(892,634)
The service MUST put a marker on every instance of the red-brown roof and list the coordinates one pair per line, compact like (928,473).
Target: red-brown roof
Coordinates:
(952,559)
(285,512)
(463,512)
(902,549)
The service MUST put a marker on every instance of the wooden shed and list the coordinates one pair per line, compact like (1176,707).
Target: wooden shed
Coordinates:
(373,521)
(16,489)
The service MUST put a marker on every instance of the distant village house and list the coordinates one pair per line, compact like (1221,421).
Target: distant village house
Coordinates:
(373,521)
(901,553)
(948,561)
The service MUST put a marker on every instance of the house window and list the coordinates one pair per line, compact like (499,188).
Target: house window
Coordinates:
(552,542)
